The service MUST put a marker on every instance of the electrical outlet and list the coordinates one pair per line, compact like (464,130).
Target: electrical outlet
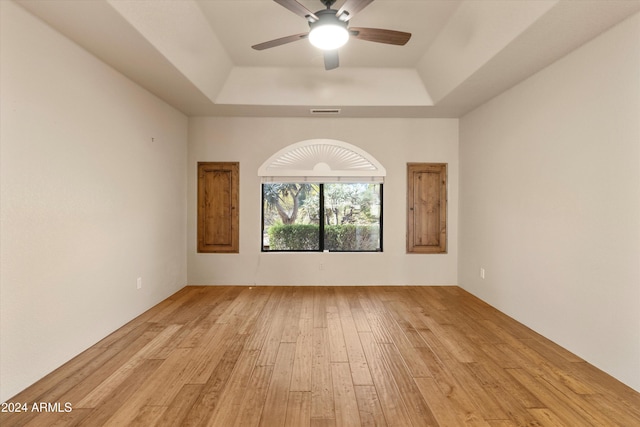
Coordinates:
(139,283)
(481,272)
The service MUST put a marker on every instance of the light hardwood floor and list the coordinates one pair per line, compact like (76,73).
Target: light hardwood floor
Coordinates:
(328,356)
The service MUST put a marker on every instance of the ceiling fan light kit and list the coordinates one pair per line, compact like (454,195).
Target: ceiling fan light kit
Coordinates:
(329,29)
(328,32)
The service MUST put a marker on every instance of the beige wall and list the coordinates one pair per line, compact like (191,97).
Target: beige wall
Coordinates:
(393,142)
(88,201)
(550,202)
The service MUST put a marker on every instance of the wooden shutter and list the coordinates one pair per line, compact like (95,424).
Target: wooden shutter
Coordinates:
(218,207)
(427,208)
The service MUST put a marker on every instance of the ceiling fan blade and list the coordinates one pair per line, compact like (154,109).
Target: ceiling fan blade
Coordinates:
(378,35)
(280,41)
(298,9)
(331,60)
(351,7)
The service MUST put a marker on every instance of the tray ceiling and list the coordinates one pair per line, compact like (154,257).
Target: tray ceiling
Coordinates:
(196,54)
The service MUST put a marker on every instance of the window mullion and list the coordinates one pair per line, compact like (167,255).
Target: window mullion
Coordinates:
(321,219)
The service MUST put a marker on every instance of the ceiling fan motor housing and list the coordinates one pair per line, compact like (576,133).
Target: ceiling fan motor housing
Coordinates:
(327,17)
(328,3)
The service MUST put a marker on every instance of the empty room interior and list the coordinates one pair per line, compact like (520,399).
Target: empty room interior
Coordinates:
(210,218)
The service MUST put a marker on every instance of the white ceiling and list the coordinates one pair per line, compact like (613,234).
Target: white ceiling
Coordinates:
(242,23)
(197,56)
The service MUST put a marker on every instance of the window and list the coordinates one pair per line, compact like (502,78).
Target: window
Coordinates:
(341,217)
(218,207)
(427,208)
(322,195)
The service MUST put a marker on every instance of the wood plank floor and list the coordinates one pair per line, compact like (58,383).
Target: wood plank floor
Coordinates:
(327,356)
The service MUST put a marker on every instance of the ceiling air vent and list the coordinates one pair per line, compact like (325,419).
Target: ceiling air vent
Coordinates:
(325,111)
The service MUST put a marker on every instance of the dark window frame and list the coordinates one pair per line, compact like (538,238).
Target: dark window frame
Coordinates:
(321,224)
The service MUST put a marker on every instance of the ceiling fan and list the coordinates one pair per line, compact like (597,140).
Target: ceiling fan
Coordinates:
(329,29)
